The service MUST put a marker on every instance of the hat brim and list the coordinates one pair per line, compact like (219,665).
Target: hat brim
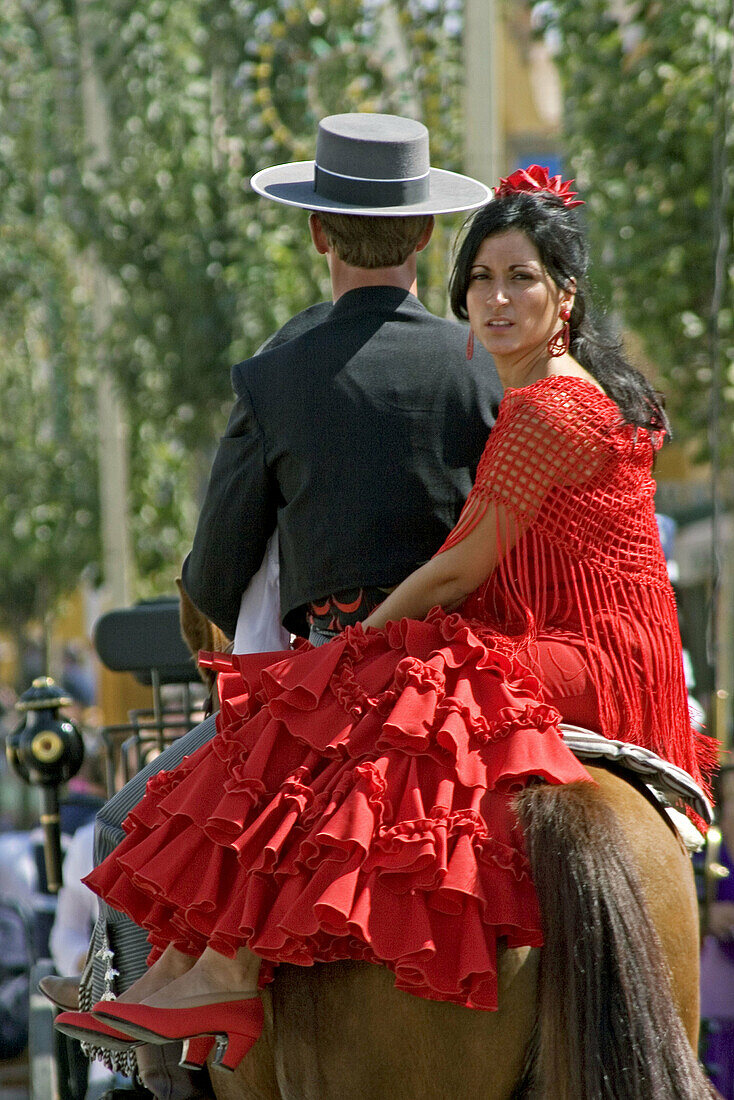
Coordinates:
(292,184)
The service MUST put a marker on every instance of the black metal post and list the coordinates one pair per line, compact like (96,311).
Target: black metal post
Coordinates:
(51,823)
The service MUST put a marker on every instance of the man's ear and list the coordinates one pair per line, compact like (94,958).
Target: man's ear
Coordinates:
(426,235)
(318,236)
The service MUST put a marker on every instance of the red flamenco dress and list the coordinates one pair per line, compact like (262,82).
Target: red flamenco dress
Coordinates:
(356,801)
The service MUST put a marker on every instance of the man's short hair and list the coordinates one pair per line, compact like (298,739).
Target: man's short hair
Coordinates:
(372,242)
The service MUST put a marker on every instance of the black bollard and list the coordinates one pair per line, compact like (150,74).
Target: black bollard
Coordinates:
(51,823)
(46,750)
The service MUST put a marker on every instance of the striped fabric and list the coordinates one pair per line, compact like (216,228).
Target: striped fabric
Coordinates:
(127,942)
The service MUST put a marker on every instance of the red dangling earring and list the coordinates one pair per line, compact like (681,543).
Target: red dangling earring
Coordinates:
(559,342)
(470,345)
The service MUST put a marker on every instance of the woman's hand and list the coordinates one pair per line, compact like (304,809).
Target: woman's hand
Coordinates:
(449,577)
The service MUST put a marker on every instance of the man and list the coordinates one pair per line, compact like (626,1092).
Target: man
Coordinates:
(358,438)
(354,436)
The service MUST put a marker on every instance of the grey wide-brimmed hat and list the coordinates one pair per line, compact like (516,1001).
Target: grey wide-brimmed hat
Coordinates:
(374,165)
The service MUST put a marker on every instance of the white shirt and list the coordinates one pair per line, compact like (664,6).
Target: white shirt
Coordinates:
(259,629)
(76,908)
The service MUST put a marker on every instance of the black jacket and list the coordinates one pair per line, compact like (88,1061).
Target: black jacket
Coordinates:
(359,437)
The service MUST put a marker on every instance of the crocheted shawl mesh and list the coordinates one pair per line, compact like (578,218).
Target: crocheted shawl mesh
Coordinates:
(572,488)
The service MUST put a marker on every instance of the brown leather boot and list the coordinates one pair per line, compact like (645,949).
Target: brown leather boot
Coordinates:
(63,992)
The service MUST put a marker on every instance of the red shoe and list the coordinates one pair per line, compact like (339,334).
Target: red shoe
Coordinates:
(86,1027)
(236,1024)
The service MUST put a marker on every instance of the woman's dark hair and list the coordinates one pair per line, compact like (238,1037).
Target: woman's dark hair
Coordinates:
(556,233)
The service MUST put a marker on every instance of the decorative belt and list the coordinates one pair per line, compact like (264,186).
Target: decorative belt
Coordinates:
(345,608)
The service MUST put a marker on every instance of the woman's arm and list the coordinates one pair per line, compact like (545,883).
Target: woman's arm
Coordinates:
(545,436)
(540,440)
(453,574)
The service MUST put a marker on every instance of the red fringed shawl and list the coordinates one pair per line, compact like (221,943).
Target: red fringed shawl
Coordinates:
(572,485)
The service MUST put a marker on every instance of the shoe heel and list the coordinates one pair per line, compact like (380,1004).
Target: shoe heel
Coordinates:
(196,1051)
(230,1055)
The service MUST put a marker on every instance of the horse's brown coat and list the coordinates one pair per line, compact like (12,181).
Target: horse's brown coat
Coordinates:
(343,1032)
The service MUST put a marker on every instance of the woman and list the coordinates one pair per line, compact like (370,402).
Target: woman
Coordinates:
(357,800)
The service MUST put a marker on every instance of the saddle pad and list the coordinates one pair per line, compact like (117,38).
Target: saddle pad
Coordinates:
(670,784)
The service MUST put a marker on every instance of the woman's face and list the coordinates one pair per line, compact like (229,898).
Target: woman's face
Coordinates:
(512,302)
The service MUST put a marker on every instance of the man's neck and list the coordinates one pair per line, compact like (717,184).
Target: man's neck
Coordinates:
(345,278)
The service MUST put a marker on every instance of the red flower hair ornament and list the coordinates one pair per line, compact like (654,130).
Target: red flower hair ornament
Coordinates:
(535,181)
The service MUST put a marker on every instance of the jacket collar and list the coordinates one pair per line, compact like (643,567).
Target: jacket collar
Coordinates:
(391,299)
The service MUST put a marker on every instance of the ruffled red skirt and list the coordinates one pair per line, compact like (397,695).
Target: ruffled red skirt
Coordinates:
(355,803)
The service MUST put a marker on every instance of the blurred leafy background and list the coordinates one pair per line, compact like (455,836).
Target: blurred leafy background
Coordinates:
(132,247)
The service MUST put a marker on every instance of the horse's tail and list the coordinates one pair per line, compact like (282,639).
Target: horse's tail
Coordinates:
(608,1023)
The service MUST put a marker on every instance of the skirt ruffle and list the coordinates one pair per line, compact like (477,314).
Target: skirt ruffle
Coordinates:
(355,803)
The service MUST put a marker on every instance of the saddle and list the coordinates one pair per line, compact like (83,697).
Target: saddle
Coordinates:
(670,787)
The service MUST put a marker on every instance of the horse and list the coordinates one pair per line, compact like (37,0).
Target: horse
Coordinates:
(607,1009)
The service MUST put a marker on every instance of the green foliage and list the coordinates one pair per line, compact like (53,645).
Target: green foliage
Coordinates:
(202,95)
(48,506)
(197,96)
(647,92)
